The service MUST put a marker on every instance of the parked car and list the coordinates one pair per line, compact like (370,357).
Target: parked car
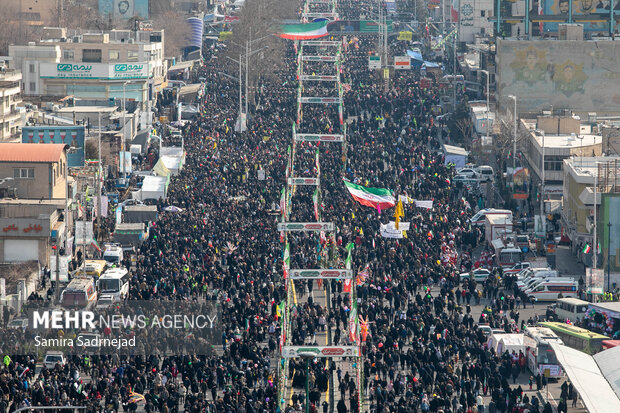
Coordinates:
(479,274)
(52,358)
(518,267)
(468,172)
(18,323)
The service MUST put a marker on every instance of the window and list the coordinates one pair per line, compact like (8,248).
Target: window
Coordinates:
(91,55)
(554,162)
(68,55)
(33,86)
(482,13)
(31,68)
(115,54)
(132,55)
(23,173)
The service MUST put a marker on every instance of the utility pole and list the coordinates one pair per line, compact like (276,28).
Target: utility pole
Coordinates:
(99,177)
(247,69)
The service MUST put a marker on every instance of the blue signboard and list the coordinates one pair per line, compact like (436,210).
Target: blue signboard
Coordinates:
(68,135)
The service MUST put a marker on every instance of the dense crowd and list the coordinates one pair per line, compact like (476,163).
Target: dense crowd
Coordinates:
(423,352)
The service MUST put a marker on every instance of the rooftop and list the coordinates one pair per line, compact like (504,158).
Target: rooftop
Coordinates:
(568,141)
(31,152)
(587,165)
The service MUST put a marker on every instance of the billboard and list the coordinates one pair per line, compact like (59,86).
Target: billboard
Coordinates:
(94,71)
(596,10)
(68,135)
(124,9)
(520,183)
(578,75)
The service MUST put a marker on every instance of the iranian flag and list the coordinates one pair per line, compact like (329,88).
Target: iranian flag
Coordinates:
(373,197)
(304,31)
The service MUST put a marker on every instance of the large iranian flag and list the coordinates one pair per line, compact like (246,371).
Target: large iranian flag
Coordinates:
(373,197)
(304,31)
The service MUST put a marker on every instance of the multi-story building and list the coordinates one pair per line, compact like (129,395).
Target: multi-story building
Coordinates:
(10,97)
(119,64)
(562,137)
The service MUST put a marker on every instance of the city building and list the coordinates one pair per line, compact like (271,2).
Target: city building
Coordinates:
(473,19)
(32,200)
(10,98)
(35,171)
(562,137)
(578,196)
(109,66)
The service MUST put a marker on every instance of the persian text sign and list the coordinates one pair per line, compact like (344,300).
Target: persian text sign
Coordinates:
(319,58)
(308,137)
(306,226)
(320,273)
(320,351)
(303,181)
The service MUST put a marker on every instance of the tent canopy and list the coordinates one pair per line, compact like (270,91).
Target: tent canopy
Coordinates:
(585,374)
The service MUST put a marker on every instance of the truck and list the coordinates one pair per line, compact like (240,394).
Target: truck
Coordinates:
(136,214)
(130,235)
(497,226)
(113,254)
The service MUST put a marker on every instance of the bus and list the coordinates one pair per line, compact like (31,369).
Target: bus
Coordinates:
(79,294)
(540,355)
(578,338)
(115,282)
(572,309)
(508,257)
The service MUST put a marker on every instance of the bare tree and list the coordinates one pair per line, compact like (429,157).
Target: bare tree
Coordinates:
(176,32)
(12,29)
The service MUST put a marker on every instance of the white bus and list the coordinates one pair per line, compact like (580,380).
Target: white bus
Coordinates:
(571,309)
(115,282)
(540,355)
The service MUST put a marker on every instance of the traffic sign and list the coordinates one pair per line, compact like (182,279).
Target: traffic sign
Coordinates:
(305,226)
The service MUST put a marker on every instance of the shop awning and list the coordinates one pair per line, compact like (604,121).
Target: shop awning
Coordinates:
(588,379)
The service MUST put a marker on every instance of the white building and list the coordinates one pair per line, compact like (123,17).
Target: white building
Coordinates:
(94,66)
(10,97)
(474,19)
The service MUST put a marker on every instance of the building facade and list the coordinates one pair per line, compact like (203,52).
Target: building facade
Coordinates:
(119,64)
(10,98)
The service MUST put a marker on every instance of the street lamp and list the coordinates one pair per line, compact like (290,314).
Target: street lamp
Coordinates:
(486,72)
(514,141)
(608,256)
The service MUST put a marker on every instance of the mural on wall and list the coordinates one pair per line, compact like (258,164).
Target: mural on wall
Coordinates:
(530,65)
(580,75)
(596,9)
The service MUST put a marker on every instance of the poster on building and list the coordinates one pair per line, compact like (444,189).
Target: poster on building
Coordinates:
(67,135)
(595,281)
(575,75)
(594,15)
(124,9)
(520,183)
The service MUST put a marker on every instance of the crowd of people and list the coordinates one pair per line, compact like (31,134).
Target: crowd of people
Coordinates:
(423,351)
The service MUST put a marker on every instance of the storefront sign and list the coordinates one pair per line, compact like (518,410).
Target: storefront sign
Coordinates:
(24,227)
(94,71)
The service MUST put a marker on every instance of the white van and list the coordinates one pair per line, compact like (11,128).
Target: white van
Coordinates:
(480,216)
(484,173)
(538,273)
(571,309)
(79,294)
(114,282)
(535,282)
(549,290)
